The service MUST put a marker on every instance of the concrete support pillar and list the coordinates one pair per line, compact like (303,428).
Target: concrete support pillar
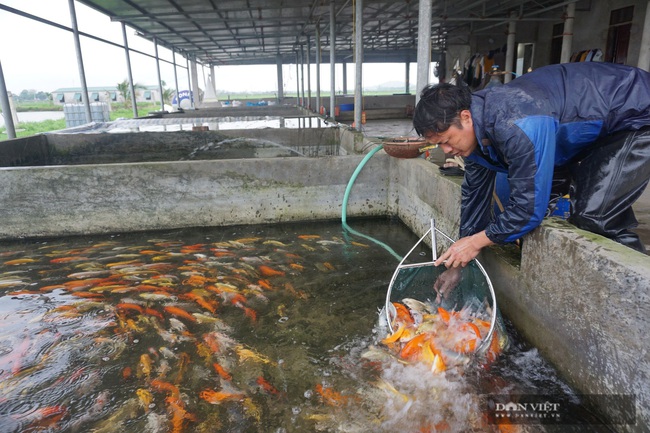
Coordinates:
(332,60)
(510,48)
(127,52)
(407,88)
(278,67)
(308,73)
(160,87)
(214,80)
(80,62)
(5,105)
(318,60)
(195,83)
(644,49)
(424,46)
(567,34)
(358,62)
(344,66)
(189,81)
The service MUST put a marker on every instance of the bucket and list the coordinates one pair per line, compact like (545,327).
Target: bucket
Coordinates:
(337,110)
(464,322)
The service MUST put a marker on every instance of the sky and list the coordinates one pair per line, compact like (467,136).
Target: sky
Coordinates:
(37,56)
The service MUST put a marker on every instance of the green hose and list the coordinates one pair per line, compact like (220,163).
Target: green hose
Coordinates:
(346,196)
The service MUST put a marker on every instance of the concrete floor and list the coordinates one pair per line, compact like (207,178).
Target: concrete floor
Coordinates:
(404,127)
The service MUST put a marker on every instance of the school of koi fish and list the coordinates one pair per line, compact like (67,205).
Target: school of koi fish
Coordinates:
(237,335)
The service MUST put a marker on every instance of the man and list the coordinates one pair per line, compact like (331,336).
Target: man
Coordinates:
(593,118)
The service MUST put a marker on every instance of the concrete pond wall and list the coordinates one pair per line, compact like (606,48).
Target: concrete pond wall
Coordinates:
(582,300)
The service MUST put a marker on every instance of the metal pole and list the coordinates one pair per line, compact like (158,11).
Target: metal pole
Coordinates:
(358,60)
(318,58)
(6,107)
(344,66)
(308,73)
(510,48)
(644,49)
(302,74)
(332,61)
(424,47)
(80,63)
(128,70)
(160,87)
(297,80)
(178,101)
(567,35)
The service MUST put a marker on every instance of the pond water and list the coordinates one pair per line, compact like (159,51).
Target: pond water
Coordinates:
(272,328)
(35,116)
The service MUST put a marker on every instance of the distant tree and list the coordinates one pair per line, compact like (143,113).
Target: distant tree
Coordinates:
(125,91)
(168,95)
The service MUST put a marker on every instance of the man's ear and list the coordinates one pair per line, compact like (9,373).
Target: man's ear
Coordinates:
(466,118)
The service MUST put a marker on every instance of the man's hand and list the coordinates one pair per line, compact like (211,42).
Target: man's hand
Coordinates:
(446,283)
(464,250)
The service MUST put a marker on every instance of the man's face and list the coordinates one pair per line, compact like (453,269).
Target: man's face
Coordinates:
(458,141)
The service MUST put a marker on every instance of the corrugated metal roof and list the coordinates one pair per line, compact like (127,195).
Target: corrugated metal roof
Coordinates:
(235,32)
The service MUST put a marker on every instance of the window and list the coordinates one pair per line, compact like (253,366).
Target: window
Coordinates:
(94,96)
(113,96)
(618,36)
(147,95)
(60,97)
(77,97)
(556,43)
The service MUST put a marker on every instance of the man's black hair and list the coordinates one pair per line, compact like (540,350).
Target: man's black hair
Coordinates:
(439,107)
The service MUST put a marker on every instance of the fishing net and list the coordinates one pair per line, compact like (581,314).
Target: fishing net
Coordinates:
(471,300)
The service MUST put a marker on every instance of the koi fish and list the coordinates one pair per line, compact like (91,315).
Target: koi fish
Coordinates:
(216,397)
(221,371)
(267,271)
(306,237)
(331,397)
(145,398)
(17,262)
(266,386)
(165,387)
(247,354)
(179,312)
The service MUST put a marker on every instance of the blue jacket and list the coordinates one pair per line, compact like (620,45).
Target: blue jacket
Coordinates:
(538,121)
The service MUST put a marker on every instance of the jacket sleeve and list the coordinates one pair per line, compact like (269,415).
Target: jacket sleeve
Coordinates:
(477,188)
(530,152)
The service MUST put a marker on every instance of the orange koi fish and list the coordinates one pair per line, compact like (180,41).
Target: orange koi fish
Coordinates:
(266,386)
(162,386)
(331,397)
(179,312)
(265,284)
(69,259)
(209,304)
(126,373)
(179,415)
(268,271)
(221,371)
(216,397)
(308,237)
(130,307)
